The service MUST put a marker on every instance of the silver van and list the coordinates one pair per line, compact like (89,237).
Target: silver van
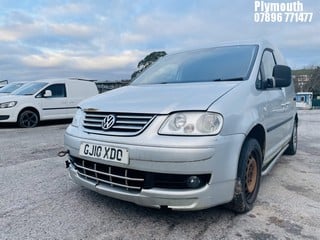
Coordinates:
(195,130)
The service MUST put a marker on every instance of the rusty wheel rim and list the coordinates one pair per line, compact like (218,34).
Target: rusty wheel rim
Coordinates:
(251,174)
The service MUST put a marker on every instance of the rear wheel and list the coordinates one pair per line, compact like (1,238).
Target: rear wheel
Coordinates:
(248,177)
(293,144)
(28,119)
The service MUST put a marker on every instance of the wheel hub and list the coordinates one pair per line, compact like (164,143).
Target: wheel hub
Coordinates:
(251,174)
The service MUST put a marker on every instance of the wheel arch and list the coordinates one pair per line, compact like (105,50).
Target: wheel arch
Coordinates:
(258,132)
(31,109)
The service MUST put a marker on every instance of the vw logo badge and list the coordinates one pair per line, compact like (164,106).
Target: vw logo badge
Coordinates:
(108,122)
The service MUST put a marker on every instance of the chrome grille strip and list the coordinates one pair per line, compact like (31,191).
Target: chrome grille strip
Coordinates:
(126,175)
(109,173)
(127,127)
(108,182)
(92,115)
(130,122)
(93,125)
(95,171)
(135,117)
(83,166)
(94,120)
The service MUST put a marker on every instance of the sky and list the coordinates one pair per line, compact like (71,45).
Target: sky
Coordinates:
(105,39)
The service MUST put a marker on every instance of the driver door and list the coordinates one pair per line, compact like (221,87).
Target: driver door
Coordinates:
(276,111)
(53,100)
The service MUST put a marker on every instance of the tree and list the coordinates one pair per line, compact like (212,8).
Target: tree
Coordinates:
(314,83)
(147,61)
(311,85)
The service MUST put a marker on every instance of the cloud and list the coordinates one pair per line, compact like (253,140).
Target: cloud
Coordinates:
(16,32)
(119,61)
(71,29)
(7,35)
(69,9)
(45,60)
(108,38)
(18,17)
(129,38)
(51,59)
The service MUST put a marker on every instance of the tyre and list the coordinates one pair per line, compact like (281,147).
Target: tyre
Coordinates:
(28,119)
(248,177)
(293,144)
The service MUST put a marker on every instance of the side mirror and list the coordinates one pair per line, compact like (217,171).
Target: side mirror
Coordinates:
(282,76)
(47,93)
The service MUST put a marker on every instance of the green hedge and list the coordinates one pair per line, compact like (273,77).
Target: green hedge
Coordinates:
(316,102)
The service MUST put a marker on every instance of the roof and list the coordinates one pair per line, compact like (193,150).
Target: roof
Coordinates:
(59,80)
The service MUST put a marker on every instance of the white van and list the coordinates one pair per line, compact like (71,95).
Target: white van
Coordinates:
(45,100)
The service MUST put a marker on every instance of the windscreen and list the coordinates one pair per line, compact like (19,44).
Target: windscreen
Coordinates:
(231,63)
(30,88)
(10,87)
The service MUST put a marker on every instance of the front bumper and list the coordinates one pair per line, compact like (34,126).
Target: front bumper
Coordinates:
(8,115)
(217,156)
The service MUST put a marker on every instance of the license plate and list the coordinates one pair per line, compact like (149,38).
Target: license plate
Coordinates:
(108,153)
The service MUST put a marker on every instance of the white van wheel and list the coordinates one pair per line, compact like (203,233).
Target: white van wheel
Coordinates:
(28,119)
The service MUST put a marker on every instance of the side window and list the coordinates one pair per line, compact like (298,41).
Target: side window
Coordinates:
(57,90)
(267,65)
(259,76)
(259,80)
(264,78)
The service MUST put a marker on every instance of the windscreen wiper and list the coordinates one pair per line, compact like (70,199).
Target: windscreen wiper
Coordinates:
(210,80)
(228,79)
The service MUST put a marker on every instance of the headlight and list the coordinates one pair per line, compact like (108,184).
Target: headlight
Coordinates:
(192,123)
(8,104)
(77,119)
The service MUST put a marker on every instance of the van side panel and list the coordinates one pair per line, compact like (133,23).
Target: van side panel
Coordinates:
(78,89)
(76,92)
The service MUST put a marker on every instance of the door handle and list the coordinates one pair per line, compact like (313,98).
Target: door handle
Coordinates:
(285,105)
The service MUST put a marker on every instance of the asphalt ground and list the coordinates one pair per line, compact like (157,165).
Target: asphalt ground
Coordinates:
(39,201)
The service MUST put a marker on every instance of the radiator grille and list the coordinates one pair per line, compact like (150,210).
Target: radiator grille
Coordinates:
(126,124)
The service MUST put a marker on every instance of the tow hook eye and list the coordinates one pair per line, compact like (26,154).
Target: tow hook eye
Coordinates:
(63,153)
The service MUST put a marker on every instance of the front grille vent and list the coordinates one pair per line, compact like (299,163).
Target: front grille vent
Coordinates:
(132,180)
(127,179)
(126,124)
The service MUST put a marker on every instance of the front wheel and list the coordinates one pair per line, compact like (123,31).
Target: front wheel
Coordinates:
(248,177)
(28,119)
(292,148)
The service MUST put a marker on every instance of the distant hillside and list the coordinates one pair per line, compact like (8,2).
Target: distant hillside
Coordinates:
(305,71)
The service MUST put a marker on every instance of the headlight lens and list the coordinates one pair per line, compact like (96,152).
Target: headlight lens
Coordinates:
(77,119)
(8,104)
(192,123)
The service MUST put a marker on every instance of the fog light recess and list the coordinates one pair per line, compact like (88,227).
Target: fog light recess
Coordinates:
(193,182)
